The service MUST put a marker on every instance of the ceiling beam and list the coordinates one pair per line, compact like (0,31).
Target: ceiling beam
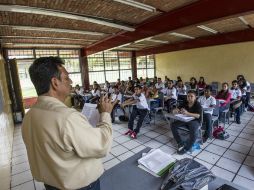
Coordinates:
(62,14)
(46,38)
(220,39)
(193,14)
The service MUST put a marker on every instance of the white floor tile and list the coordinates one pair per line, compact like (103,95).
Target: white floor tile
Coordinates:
(152,134)
(118,150)
(251,151)
(131,144)
(233,133)
(116,134)
(215,149)
(229,165)
(241,181)
(138,149)
(20,168)
(247,172)
(167,149)
(208,157)
(122,139)
(25,186)
(19,159)
(233,155)
(21,178)
(153,144)
(39,185)
(222,143)
(111,163)
(142,139)
(246,136)
(244,142)
(223,173)
(163,139)
(240,148)
(125,155)
(249,161)
(108,157)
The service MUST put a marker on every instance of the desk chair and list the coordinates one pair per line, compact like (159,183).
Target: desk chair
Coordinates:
(215,115)
(161,106)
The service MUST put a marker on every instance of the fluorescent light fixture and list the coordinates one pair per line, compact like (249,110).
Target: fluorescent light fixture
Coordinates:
(42,45)
(243,20)
(207,29)
(50,12)
(158,41)
(137,5)
(47,38)
(181,35)
(43,29)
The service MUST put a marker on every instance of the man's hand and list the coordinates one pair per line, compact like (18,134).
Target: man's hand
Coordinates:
(105,104)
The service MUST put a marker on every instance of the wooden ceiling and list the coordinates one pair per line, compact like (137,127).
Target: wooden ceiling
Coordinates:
(97,25)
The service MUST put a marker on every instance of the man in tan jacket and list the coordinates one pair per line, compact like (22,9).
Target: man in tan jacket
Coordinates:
(63,149)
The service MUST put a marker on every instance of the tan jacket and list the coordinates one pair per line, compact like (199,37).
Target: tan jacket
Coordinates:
(63,149)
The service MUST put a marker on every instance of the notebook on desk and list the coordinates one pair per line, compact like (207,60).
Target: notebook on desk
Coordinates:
(184,118)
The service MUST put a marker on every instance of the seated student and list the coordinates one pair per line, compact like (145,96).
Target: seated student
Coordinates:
(96,93)
(107,87)
(122,87)
(155,80)
(235,104)
(193,84)
(159,85)
(224,95)
(129,89)
(118,82)
(201,86)
(151,92)
(170,94)
(207,102)
(201,83)
(78,98)
(248,89)
(181,91)
(191,108)
(243,87)
(118,97)
(141,108)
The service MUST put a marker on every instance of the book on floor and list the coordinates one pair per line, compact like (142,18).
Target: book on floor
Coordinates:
(156,162)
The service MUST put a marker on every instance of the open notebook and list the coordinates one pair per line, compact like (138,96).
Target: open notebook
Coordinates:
(183,117)
(156,162)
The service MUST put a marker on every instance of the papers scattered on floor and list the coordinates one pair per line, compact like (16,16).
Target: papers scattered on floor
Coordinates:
(156,162)
(91,112)
(183,117)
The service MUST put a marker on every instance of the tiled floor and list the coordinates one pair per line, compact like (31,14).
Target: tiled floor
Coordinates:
(232,159)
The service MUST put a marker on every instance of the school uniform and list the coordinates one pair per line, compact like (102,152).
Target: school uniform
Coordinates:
(159,86)
(141,108)
(182,94)
(191,125)
(207,114)
(236,94)
(247,94)
(95,96)
(171,93)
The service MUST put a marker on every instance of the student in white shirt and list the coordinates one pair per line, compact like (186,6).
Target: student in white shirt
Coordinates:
(141,108)
(181,92)
(108,88)
(236,102)
(159,85)
(96,93)
(118,97)
(208,102)
(245,88)
(171,97)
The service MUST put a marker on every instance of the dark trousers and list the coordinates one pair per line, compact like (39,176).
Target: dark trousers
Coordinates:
(170,103)
(142,114)
(93,186)
(247,99)
(207,117)
(236,110)
(113,113)
(192,126)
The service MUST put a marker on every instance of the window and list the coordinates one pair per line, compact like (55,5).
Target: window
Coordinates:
(146,66)
(45,53)
(110,66)
(20,54)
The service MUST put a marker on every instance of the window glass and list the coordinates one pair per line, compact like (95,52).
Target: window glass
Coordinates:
(97,76)
(112,76)
(72,65)
(76,79)
(125,74)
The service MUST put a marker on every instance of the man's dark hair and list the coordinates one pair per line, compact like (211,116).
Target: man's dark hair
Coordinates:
(138,86)
(234,81)
(42,71)
(208,87)
(192,92)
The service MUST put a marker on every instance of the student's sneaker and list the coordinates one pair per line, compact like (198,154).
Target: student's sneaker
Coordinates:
(182,151)
(129,132)
(134,135)
(180,146)
(238,122)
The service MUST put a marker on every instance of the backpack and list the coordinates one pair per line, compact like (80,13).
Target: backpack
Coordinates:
(220,133)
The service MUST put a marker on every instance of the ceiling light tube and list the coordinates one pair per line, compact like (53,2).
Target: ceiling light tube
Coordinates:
(41,45)
(158,41)
(43,29)
(137,5)
(49,38)
(181,35)
(50,12)
(207,29)
(243,20)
